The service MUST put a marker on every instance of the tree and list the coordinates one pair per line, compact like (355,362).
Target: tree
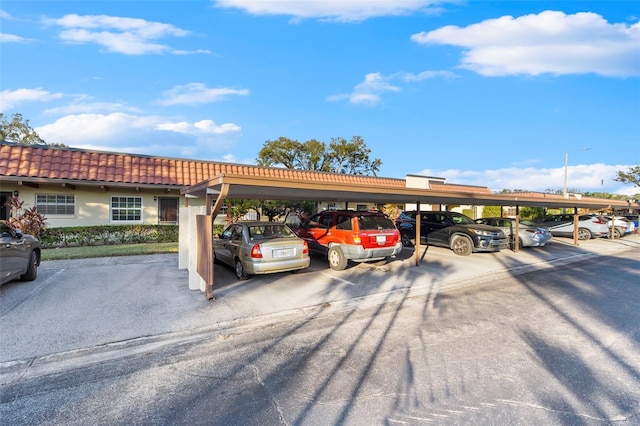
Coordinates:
(352,157)
(632,175)
(18,130)
(340,156)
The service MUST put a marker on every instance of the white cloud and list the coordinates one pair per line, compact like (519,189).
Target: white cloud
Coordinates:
(199,128)
(82,129)
(11,38)
(207,135)
(9,99)
(375,84)
(549,42)
(120,132)
(337,10)
(83,104)
(583,178)
(198,93)
(130,36)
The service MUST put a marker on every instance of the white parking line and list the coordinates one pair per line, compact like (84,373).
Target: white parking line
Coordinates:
(337,278)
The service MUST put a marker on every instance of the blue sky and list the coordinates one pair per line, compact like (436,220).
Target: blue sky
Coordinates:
(491,93)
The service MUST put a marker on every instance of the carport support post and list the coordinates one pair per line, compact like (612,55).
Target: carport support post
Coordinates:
(516,237)
(575,226)
(613,223)
(205,260)
(516,240)
(417,244)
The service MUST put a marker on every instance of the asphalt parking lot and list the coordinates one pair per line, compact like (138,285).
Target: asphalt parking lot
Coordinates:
(77,306)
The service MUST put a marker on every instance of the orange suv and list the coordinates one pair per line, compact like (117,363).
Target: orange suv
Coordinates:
(344,235)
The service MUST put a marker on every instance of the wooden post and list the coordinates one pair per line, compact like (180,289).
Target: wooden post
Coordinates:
(575,226)
(417,244)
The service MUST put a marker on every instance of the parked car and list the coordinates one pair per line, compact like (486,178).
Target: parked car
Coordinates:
(344,235)
(530,234)
(260,248)
(561,225)
(621,225)
(453,230)
(19,254)
(633,218)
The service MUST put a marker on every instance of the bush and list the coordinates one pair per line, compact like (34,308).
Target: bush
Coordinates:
(29,221)
(108,234)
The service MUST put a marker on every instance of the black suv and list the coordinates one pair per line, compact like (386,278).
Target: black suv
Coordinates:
(450,229)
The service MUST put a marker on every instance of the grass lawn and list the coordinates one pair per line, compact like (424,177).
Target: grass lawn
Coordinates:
(107,251)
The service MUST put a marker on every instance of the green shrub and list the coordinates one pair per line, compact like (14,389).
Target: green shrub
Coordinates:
(74,236)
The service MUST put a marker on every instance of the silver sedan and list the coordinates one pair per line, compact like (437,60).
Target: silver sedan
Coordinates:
(530,234)
(260,248)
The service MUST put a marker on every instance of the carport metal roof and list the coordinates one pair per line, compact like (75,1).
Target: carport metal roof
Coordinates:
(277,188)
(308,186)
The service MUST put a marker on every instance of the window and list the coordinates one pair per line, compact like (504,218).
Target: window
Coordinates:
(343,222)
(56,204)
(126,209)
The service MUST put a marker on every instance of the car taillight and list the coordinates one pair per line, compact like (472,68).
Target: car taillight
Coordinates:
(305,249)
(357,239)
(256,252)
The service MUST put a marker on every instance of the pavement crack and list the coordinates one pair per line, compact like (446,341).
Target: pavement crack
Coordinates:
(274,401)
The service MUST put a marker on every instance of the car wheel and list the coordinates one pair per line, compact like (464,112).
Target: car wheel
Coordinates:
(406,238)
(337,261)
(617,233)
(240,273)
(584,234)
(462,245)
(32,270)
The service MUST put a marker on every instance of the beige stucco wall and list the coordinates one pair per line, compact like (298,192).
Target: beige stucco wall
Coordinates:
(92,204)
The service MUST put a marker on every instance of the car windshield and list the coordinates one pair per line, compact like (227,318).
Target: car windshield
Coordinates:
(261,232)
(368,223)
(461,219)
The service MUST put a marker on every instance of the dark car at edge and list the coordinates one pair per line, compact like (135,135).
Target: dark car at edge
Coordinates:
(19,254)
(453,230)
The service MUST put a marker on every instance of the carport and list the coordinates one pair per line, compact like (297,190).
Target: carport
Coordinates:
(196,217)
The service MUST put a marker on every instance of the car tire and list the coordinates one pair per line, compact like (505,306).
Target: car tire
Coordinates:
(240,272)
(617,233)
(337,261)
(32,270)
(584,234)
(407,238)
(461,245)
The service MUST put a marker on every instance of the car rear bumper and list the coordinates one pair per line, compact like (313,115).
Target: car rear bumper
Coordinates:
(276,266)
(358,253)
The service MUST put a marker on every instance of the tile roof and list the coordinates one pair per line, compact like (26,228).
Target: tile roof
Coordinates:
(76,165)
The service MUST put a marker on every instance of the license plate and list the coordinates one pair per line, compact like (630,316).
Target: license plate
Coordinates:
(283,253)
(381,239)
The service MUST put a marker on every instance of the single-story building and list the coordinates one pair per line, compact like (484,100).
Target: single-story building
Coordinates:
(75,187)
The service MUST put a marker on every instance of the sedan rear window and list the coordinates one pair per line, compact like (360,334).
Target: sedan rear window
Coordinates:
(260,232)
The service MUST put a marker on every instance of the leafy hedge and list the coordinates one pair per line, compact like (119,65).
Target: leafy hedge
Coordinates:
(108,234)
